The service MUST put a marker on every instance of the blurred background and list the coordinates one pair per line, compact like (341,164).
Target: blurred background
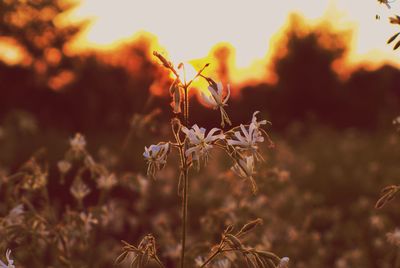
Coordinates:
(320,71)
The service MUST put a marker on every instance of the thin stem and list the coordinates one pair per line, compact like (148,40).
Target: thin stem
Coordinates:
(184,212)
(185,170)
(186,106)
(215,254)
(211,258)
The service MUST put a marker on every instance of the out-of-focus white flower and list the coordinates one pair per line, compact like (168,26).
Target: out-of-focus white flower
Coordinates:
(10,262)
(78,143)
(15,216)
(79,189)
(200,143)
(396,121)
(394,237)
(88,220)
(64,166)
(284,263)
(106,182)
(156,156)
(216,100)
(245,169)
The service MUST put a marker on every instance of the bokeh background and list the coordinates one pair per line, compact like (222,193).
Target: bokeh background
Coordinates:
(320,72)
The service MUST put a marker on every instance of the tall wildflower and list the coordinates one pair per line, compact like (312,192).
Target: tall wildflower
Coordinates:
(194,146)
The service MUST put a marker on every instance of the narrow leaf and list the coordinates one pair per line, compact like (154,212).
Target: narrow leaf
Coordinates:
(391,39)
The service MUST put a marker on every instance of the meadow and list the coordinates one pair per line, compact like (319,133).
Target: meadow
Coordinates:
(123,159)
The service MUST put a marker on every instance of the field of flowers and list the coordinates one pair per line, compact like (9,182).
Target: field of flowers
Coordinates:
(125,159)
(73,204)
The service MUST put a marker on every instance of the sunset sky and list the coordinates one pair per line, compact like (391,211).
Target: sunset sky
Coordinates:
(188,29)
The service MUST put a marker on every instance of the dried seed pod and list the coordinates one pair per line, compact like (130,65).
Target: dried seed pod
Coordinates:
(164,61)
(389,193)
(235,242)
(269,255)
(251,225)
(176,95)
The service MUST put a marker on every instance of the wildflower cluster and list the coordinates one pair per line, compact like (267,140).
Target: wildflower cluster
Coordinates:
(194,145)
(34,221)
(240,143)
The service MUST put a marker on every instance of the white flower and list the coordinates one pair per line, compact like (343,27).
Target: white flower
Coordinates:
(78,143)
(248,139)
(200,143)
(284,263)
(10,262)
(245,169)
(156,156)
(217,100)
(106,182)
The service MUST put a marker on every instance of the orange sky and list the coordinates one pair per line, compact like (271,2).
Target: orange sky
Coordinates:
(188,29)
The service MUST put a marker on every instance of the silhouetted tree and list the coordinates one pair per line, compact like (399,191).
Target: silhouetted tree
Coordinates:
(36,27)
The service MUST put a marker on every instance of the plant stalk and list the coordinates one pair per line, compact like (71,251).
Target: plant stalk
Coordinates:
(184,213)
(210,258)
(185,181)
